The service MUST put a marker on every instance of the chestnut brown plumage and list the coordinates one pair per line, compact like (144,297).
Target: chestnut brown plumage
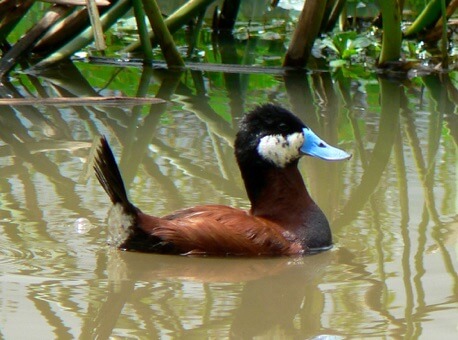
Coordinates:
(283,219)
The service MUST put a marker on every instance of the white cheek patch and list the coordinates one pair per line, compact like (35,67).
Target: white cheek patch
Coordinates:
(279,149)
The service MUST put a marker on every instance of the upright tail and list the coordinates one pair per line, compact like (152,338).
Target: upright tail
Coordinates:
(107,172)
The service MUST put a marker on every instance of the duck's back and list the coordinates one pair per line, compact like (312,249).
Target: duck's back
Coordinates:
(212,230)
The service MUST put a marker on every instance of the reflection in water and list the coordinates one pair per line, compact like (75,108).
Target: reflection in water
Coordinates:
(392,209)
(272,297)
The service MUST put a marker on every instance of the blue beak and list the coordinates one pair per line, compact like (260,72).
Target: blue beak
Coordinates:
(314,146)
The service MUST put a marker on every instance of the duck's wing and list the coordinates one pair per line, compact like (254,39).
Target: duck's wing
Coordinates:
(219,230)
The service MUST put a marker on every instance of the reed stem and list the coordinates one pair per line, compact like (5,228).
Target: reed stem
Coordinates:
(304,35)
(142,29)
(162,34)
(176,20)
(96,25)
(392,35)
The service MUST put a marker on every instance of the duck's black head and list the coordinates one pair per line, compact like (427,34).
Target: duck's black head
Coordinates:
(271,136)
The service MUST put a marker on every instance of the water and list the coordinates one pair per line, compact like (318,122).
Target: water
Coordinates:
(392,207)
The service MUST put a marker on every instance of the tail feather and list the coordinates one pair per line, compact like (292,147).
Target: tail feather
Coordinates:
(109,176)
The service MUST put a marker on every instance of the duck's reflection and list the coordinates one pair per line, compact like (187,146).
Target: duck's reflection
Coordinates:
(240,297)
(271,305)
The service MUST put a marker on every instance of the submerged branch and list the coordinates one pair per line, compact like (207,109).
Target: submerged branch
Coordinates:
(78,2)
(81,101)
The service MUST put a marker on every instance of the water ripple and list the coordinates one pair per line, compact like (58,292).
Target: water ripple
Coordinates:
(11,255)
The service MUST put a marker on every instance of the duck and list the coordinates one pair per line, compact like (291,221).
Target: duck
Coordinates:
(283,219)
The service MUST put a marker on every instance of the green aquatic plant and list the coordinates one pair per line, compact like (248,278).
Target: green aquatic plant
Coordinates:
(348,47)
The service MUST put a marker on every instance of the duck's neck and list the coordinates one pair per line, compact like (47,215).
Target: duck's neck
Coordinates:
(280,195)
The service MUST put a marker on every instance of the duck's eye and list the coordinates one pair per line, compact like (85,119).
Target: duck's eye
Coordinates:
(283,127)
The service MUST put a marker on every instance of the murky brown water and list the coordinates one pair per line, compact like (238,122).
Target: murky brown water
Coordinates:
(392,207)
